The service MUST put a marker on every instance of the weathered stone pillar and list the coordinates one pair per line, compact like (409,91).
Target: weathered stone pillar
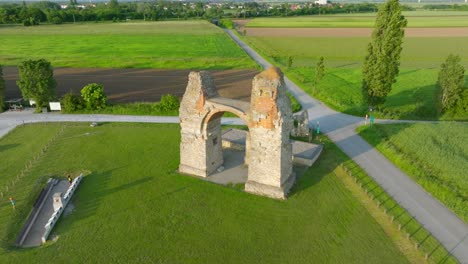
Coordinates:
(270,152)
(200,148)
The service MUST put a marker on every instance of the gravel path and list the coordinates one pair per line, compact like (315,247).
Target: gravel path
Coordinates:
(435,217)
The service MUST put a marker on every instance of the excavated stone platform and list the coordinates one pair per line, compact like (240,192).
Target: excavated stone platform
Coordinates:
(42,211)
(304,153)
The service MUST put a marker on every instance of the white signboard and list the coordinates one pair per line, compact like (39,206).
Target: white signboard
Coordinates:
(55,106)
(32,102)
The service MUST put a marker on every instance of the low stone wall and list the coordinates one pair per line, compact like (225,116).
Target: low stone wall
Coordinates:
(56,215)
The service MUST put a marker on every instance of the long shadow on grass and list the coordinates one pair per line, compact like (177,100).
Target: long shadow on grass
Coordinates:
(7,147)
(329,159)
(94,188)
(421,97)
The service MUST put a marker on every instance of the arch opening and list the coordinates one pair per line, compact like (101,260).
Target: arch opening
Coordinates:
(230,147)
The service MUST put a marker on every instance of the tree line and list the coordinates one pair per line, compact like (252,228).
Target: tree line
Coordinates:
(51,12)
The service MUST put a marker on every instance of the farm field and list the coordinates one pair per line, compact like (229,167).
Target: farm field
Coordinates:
(417,19)
(137,85)
(412,96)
(432,154)
(133,207)
(163,45)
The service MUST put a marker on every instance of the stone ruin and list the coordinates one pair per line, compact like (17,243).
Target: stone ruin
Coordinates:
(268,116)
(301,124)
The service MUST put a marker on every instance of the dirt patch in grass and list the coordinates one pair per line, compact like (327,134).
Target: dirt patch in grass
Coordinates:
(352,32)
(137,85)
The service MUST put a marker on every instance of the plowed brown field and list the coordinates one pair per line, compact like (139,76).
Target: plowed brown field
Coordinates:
(137,85)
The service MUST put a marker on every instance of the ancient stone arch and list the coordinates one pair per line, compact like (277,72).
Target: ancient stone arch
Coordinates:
(268,117)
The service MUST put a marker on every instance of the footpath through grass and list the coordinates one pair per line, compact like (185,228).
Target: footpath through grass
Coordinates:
(134,207)
(164,45)
(434,155)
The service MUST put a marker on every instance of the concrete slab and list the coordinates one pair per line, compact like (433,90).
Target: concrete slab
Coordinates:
(37,229)
(305,153)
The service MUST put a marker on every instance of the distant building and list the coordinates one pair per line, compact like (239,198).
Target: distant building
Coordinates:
(321,2)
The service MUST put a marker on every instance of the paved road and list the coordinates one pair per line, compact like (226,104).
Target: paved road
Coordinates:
(9,120)
(442,223)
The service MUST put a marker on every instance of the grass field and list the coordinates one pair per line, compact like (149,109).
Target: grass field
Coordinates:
(432,154)
(165,45)
(415,19)
(134,207)
(412,96)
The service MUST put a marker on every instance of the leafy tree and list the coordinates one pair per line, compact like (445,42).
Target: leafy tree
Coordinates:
(94,97)
(450,82)
(381,65)
(2,90)
(319,71)
(36,81)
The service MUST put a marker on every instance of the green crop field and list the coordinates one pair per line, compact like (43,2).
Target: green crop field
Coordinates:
(432,154)
(133,207)
(171,45)
(416,19)
(412,96)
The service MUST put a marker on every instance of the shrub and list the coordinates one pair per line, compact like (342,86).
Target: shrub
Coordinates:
(169,102)
(71,102)
(93,96)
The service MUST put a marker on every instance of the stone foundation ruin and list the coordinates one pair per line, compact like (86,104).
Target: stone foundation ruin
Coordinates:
(268,117)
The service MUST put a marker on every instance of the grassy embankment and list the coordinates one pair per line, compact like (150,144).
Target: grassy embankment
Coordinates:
(434,155)
(134,207)
(412,96)
(164,45)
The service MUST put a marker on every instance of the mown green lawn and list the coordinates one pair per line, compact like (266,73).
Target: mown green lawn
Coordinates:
(165,45)
(412,96)
(415,19)
(434,155)
(133,207)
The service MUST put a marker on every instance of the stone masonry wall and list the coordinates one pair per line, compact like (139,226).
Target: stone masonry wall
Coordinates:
(270,152)
(268,149)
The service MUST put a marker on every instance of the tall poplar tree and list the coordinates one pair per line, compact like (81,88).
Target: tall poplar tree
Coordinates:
(36,81)
(381,65)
